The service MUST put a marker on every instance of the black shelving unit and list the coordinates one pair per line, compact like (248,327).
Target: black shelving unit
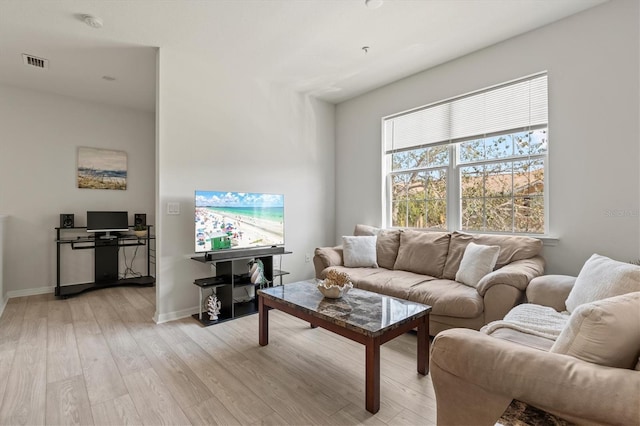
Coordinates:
(228,283)
(106,266)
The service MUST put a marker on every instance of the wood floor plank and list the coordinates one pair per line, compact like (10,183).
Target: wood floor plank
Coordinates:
(273,390)
(355,414)
(6,361)
(153,400)
(63,360)
(272,419)
(24,402)
(149,295)
(183,383)
(223,385)
(125,350)
(137,323)
(410,418)
(136,300)
(100,372)
(340,359)
(68,403)
(59,312)
(84,323)
(11,322)
(211,412)
(321,389)
(172,332)
(118,411)
(37,306)
(207,340)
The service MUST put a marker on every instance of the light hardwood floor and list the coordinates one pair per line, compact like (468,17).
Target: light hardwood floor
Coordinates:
(98,358)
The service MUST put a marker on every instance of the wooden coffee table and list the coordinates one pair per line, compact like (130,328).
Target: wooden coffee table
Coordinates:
(368,318)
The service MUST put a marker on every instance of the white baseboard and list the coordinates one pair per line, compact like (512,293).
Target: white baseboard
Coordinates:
(30,292)
(171,316)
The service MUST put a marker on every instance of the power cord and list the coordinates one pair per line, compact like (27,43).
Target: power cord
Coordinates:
(129,271)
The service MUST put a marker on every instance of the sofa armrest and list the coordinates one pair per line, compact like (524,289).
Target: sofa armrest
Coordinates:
(516,274)
(325,257)
(550,290)
(573,389)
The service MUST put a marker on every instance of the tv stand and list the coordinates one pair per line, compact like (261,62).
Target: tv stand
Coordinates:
(106,262)
(232,284)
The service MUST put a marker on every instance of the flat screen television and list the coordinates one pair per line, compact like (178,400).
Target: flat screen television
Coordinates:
(104,223)
(238,220)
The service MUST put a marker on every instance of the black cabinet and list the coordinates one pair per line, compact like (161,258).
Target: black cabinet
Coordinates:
(232,283)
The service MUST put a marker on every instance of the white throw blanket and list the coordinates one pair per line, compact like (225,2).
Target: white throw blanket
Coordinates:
(533,319)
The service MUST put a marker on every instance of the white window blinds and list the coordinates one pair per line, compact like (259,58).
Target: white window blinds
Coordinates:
(514,106)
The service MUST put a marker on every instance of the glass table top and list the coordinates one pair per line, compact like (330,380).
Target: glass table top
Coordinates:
(360,310)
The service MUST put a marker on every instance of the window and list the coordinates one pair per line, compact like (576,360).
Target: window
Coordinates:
(476,162)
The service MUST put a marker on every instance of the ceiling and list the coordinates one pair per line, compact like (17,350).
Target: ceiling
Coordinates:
(311,46)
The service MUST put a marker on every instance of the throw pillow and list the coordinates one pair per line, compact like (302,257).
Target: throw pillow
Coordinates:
(512,248)
(387,247)
(477,261)
(359,251)
(605,332)
(422,252)
(362,230)
(601,277)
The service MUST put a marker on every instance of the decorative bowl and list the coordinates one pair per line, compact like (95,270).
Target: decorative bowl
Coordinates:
(332,291)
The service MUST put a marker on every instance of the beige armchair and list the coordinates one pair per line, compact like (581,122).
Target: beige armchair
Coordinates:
(476,375)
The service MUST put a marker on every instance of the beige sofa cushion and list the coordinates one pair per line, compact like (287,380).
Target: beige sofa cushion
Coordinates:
(605,332)
(601,277)
(423,252)
(449,298)
(356,274)
(387,247)
(391,283)
(512,248)
(330,255)
(364,230)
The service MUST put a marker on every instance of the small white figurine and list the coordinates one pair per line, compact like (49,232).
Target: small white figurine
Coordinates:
(257,273)
(213,307)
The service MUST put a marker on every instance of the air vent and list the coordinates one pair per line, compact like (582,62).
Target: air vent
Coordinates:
(34,61)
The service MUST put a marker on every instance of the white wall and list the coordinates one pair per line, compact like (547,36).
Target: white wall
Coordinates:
(39,137)
(592,60)
(222,129)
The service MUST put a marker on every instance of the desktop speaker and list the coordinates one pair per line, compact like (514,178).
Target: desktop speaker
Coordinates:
(140,219)
(66,220)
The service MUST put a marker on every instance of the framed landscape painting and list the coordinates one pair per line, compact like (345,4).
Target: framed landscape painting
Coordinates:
(102,168)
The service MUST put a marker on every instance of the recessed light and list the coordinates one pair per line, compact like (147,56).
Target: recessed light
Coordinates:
(373,4)
(92,21)
(108,78)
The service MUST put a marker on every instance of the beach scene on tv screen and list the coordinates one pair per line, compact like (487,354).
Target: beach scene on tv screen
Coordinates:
(226,220)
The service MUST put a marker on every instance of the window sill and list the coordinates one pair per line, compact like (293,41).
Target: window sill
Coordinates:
(547,240)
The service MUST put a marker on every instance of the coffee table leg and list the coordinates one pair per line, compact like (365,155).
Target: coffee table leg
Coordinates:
(263,322)
(423,346)
(372,393)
